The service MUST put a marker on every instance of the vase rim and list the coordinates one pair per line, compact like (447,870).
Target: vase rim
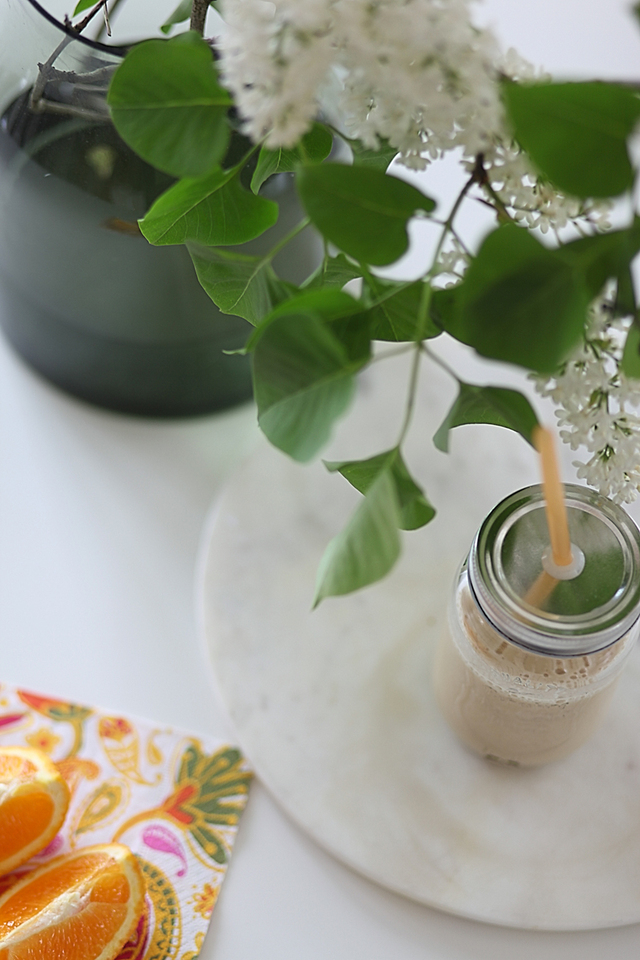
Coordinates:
(94,44)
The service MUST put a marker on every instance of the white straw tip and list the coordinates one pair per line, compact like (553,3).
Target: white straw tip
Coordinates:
(568,571)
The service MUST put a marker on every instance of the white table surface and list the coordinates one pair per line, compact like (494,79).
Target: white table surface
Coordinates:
(100,519)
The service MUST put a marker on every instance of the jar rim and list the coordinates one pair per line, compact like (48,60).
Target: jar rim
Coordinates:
(547,631)
(94,44)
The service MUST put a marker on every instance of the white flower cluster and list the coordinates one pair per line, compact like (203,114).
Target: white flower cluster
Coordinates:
(532,201)
(596,406)
(452,262)
(414,72)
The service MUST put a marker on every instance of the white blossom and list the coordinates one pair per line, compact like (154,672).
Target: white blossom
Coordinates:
(416,73)
(598,406)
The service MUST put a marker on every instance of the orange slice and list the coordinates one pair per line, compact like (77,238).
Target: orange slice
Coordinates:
(33,802)
(83,906)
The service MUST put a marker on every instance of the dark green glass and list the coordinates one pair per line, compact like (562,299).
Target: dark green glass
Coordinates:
(83,297)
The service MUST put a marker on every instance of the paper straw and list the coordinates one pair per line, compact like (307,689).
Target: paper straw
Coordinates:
(554,497)
(556,511)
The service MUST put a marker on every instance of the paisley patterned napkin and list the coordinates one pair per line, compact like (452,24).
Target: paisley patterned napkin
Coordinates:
(173,798)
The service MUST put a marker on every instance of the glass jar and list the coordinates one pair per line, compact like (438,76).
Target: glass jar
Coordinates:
(529,662)
(83,297)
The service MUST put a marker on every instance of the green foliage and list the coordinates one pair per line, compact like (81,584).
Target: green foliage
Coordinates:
(167,104)
(497,405)
(607,256)
(631,355)
(303,370)
(333,272)
(414,508)
(395,311)
(576,133)
(375,159)
(244,286)
(211,210)
(314,147)
(519,302)
(83,5)
(362,211)
(332,305)
(367,548)
(179,15)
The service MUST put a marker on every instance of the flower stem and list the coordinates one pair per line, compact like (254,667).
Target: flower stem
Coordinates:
(425,303)
(199,12)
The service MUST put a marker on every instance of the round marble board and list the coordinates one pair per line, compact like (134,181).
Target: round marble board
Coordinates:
(335,709)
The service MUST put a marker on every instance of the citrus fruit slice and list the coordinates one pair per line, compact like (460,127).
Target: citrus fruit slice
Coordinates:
(33,802)
(83,906)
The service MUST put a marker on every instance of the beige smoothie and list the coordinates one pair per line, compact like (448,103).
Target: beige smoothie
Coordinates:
(512,705)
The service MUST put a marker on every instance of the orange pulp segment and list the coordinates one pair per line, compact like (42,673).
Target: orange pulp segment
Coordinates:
(83,906)
(34,798)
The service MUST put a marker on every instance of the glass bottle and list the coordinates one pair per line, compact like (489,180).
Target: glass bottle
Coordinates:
(528,664)
(83,297)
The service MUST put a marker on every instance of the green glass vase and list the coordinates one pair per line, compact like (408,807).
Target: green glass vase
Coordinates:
(84,299)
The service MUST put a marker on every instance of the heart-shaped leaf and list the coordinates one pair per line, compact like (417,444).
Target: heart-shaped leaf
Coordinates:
(303,381)
(518,302)
(167,104)
(362,211)
(497,405)
(244,286)
(607,256)
(213,210)
(576,133)
(314,147)
(395,312)
(368,546)
(415,509)
(333,272)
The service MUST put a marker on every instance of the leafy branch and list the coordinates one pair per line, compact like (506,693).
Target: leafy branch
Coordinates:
(518,300)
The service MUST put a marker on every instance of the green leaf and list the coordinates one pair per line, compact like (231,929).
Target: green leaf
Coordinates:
(353,333)
(631,357)
(607,256)
(333,272)
(368,546)
(212,210)
(83,5)
(443,307)
(314,147)
(303,381)
(576,133)
(329,305)
(181,13)
(167,104)
(395,313)
(635,9)
(519,302)
(362,211)
(497,405)
(244,286)
(415,509)
(375,159)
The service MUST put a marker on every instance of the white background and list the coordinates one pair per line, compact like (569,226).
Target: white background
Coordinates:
(100,517)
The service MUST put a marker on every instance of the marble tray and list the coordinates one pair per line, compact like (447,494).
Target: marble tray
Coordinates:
(335,710)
